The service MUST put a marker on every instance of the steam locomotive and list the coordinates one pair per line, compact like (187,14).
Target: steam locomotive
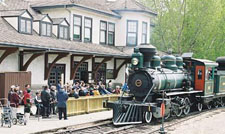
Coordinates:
(182,83)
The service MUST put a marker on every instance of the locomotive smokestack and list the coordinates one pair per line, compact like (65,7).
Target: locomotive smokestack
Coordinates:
(148,52)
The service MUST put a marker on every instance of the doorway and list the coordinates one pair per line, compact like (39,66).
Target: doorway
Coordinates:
(57,75)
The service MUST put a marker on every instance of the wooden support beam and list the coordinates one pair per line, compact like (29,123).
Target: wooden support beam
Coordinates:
(74,69)
(97,68)
(48,67)
(8,51)
(23,67)
(116,70)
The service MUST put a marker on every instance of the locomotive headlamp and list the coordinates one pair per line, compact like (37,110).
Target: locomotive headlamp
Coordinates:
(135,61)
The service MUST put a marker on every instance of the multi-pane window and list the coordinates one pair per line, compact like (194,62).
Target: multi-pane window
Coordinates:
(63,32)
(46,29)
(103,32)
(25,25)
(111,34)
(77,27)
(132,32)
(87,29)
(144,32)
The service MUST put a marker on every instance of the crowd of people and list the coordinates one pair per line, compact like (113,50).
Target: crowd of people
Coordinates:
(83,89)
(53,99)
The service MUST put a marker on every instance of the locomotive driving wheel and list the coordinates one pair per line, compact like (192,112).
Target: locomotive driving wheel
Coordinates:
(187,106)
(216,103)
(221,102)
(209,106)
(199,106)
(177,110)
(147,117)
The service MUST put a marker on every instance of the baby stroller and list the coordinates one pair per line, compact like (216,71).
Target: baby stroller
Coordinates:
(19,118)
(6,115)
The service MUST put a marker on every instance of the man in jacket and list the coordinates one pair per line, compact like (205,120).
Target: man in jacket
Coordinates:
(45,98)
(62,98)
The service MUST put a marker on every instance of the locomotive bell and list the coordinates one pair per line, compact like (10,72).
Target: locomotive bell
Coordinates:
(148,52)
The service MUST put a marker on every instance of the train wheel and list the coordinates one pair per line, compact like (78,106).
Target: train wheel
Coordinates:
(178,111)
(148,117)
(199,106)
(216,103)
(209,106)
(221,102)
(187,106)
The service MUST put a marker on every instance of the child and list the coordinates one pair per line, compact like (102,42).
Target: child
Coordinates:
(37,102)
(27,111)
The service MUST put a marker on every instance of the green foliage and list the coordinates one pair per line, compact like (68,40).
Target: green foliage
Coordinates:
(196,26)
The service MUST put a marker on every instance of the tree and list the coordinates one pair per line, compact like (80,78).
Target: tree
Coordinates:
(190,26)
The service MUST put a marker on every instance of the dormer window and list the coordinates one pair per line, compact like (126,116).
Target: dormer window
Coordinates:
(61,28)
(63,32)
(46,29)
(25,25)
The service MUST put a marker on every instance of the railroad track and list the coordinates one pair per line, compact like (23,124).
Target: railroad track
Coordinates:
(106,126)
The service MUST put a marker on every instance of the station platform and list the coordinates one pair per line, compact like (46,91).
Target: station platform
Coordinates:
(37,126)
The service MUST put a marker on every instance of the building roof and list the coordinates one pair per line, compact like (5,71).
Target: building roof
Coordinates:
(98,6)
(111,8)
(57,21)
(10,37)
(130,5)
(12,12)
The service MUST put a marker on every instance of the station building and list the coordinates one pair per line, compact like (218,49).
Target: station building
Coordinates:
(71,40)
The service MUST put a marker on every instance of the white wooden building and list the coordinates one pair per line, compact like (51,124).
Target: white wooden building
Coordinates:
(71,40)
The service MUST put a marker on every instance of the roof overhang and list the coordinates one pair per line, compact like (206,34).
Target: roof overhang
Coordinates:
(63,50)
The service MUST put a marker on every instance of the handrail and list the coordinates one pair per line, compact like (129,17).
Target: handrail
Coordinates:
(148,93)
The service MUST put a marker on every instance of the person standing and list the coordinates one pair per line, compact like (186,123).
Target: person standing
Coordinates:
(10,92)
(14,99)
(27,110)
(53,99)
(62,98)
(37,102)
(27,87)
(26,96)
(45,98)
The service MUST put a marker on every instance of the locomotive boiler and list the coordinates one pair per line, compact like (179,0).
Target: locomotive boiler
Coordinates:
(185,82)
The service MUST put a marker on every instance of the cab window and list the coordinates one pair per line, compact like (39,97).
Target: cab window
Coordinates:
(200,74)
(210,73)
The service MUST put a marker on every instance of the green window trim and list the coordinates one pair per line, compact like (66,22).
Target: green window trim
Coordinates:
(88,28)
(111,34)
(132,33)
(104,31)
(77,37)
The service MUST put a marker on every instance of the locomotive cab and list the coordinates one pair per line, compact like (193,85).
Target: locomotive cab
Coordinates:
(203,74)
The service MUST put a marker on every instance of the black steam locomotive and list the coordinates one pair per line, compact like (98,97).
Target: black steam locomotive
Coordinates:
(185,83)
